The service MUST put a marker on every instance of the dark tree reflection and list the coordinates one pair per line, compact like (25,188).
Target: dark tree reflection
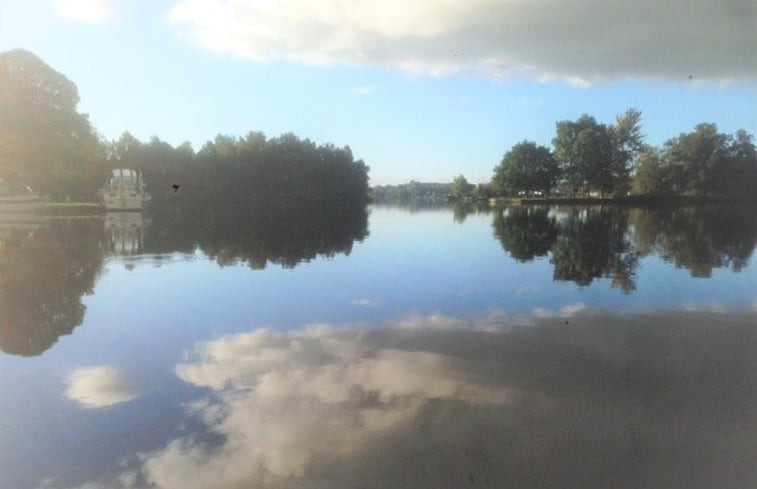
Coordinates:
(258,234)
(44,272)
(525,232)
(286,238)
(587,243)
(592,243)
(698,238)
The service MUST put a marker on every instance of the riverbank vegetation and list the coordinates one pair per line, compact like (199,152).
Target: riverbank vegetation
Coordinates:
(591,159)
(47,144)
(593,162)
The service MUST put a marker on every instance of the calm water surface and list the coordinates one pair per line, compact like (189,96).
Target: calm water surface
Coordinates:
(532,347)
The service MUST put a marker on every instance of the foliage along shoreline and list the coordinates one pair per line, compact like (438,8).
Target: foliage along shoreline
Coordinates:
(628,200)
(45,143)
(592,162)
(592,159)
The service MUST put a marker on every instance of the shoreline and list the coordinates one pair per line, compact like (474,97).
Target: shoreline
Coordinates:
(633,200)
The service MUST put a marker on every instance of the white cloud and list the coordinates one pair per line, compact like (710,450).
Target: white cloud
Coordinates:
(96,11)
(97,387)
(580,41)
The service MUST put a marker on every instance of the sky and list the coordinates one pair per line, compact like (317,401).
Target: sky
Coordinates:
(421,89)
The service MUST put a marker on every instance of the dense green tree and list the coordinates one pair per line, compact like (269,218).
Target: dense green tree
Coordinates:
(651,177)
(584,152)
(461,188)
(627,145)
(526,167)
(706,163)
(44,141)
(597,157)
(246,172)
(696,158)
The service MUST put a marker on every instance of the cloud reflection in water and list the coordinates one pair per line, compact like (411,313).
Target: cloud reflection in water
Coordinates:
(98,387)
(656,401)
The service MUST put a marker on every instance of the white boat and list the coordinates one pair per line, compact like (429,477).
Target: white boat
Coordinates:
(125,191)
(19,198)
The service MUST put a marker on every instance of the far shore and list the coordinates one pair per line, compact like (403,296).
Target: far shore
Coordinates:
(632,200)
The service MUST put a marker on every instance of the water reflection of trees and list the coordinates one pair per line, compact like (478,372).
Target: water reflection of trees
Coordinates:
(258,234)
(43,275)
(592,243)
(697,238)
(45,269)
(526,232)
(586,243)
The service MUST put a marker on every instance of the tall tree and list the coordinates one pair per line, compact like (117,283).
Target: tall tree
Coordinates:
(527,166)
(627,144)
(651,177)
(460,187)
(583,149)
(595,156)
(705,162)
(44,141)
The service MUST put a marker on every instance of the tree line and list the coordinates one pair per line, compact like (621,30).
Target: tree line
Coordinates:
(413,192)
(47,144)
(589,158)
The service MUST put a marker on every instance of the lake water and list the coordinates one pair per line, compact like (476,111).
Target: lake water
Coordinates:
(535,347)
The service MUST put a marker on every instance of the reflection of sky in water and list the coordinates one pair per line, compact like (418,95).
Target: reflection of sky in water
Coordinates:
(359,415)
(605,401)
(99,387)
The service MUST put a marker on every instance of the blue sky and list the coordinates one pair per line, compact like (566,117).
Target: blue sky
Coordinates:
(421,90)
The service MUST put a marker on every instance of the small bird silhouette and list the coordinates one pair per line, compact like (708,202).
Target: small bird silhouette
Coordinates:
(176,187)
